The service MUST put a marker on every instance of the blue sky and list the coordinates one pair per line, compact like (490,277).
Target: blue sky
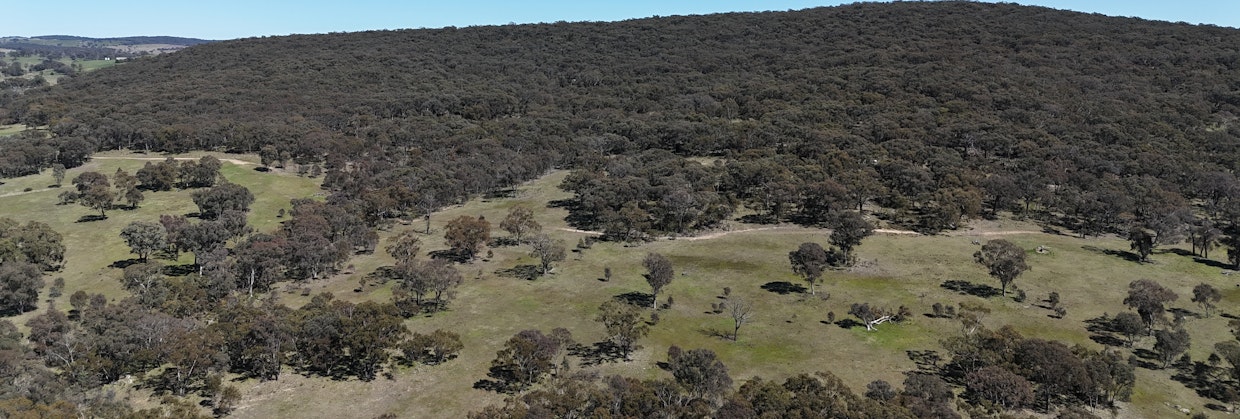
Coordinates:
(227,19)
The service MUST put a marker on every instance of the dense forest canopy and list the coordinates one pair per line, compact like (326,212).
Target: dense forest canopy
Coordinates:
(946,109)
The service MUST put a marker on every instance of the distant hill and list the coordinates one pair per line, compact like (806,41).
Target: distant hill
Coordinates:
(58,46)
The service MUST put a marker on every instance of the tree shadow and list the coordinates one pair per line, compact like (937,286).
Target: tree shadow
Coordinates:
(969,288)
(784,287)
(598,353)
(179,270)
(501,193)
(122,264)
(758,219)
(503,242)
(450,255)
(1179,311)
(1217,407)
(926,360)
(1100,324)
(1201,377)
(715,333)
(1123,254)
(1145,358)
(493,385)
(639,299)
(1108,340)
(526,272)
(91,218)
(1102,330)
(846,323)
(1213,263)
(381,275)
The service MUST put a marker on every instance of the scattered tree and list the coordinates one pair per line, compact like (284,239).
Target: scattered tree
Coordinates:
(1148,297)
(465,235)
(848,229)
(1206,296)
(433,348)
(1128,324)
(58,173)
(144,238)
(524,359)
(405,247)
(659,273)
(1142,242)
(94,191)
(519,222)
(1169,344)
(1005,261)
(547,250)
(623,323)
(809,261)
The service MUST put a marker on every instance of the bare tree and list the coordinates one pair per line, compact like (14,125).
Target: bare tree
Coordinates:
(741,312)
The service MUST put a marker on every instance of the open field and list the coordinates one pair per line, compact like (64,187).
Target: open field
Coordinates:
(788,335)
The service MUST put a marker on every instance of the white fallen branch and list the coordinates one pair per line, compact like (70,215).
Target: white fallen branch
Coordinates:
(870,324)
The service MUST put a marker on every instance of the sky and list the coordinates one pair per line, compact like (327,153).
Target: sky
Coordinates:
(229,19)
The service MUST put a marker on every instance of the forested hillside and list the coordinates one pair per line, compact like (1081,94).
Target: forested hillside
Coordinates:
(938,107)
(923,116)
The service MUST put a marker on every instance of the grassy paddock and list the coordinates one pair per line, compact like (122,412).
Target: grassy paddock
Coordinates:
(789,333)
(92,246)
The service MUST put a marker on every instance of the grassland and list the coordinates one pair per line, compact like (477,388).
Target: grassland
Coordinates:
(788,335)
(92,246)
